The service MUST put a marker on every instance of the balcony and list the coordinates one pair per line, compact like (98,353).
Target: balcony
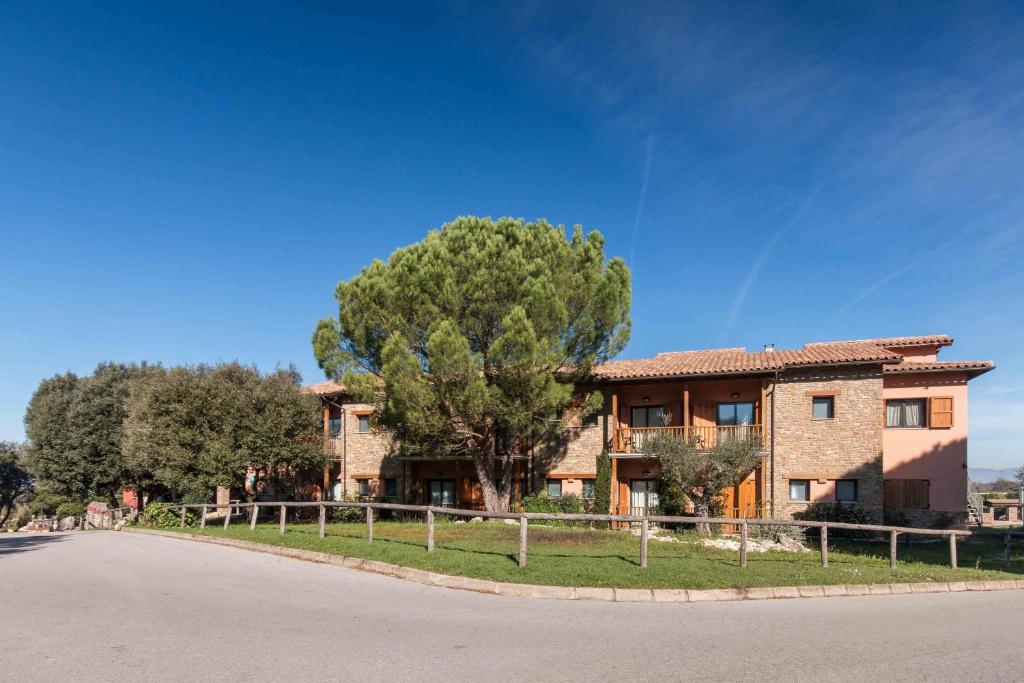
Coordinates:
(633,439)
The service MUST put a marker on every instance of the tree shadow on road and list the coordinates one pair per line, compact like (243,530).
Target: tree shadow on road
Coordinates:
(17,543)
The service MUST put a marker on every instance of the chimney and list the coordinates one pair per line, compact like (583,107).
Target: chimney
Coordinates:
(769,348)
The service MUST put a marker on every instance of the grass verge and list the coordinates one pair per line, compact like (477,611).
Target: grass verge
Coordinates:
(588,557)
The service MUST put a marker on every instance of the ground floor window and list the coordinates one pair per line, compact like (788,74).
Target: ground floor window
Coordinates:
(391,488)
(588,488)
(363,487)
(442,492)
(800,490)
(554,487)
(1001,514)
(846,490)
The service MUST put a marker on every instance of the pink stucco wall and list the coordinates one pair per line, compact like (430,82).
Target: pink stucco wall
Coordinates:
(938,455)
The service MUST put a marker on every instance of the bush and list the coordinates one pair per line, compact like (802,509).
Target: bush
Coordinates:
(844,514)
(895,518)
(568,504)
(159,516)
(603,484)
(71,509)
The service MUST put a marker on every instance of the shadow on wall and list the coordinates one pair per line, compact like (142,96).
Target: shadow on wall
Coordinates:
(21,542)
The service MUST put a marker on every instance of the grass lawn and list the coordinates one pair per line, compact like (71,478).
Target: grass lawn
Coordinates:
(587,557)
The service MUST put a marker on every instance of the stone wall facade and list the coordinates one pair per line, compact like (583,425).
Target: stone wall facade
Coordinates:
(846,446)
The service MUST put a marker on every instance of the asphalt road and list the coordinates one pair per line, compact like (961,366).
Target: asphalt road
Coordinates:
(108,606)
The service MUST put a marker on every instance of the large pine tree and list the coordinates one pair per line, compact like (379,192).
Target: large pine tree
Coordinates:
(477,340)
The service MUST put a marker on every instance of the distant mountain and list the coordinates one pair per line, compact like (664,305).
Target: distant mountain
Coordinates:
(987,475)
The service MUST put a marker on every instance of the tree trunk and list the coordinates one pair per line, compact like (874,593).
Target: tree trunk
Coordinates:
(703,528)
(496,494)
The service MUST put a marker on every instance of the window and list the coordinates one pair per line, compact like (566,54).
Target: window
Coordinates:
(588,488)
(364,424)
(334,426)
(648,416)
(590,420)
(904,413)
(846,490)
(391,488)
(800,489)
(554,487)
(823,407)
(736,413)
(363,487)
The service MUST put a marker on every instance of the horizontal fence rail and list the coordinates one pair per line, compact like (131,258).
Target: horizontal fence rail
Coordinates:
(524,518)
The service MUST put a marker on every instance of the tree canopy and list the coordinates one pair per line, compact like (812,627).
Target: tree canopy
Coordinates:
(477,340)
(15,480)
(192,429)
(74,426)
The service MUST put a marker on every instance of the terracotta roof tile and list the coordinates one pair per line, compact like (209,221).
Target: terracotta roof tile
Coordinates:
(976,367)
(894,342)
(324,388)
(740,361)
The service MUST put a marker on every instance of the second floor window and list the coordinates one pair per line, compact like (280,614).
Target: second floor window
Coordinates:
(823,407)
(647,416)
(334,426)
(363,425)
(741,413)
(904,413)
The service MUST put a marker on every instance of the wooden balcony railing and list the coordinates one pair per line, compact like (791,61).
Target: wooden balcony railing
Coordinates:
(632,439)
(333,446)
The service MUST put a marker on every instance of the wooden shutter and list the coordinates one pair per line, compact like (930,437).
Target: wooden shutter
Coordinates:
(906,494)
(940,412)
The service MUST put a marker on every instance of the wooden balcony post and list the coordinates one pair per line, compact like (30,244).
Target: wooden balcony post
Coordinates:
(686,410)
(615,422)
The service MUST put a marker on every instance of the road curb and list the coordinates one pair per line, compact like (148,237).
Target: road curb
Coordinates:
(525,590)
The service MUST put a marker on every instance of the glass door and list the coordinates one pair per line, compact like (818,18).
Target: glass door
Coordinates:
(642,496)
(442,493)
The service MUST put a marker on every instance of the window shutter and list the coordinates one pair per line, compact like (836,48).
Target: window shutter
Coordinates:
(940,412)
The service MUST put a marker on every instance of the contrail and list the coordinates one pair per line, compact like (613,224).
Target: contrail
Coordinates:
(647,170)
(762,258)
(408,183)
(895,274)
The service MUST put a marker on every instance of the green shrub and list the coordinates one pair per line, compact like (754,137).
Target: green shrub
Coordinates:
(159,516)
(567,504)
(603,484)
(895,518)
(844,514)
(71,508)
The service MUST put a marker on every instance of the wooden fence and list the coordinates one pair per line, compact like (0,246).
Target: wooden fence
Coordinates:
(524,519)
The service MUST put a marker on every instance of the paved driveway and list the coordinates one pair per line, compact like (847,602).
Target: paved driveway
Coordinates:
(109,606)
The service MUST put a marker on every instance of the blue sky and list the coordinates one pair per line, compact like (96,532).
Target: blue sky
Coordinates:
(186,182)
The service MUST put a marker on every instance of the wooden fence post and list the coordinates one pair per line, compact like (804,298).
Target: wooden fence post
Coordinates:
(202,522)
(323,519)
(255,516)
(430,529)
(952,550)
(644,532)
(284,514)
(227,518)
(743,544)
(182,522)
(892,549)
(523,523)
(824,546)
